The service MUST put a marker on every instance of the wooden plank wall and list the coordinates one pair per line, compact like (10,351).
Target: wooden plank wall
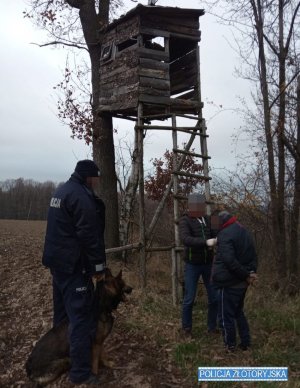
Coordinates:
(154,80)
(119,77)
(123,31)
(119,82)
(177,25)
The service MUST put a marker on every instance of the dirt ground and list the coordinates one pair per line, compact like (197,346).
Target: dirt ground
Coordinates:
(26,314)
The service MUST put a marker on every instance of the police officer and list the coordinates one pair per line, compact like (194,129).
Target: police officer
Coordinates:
(74,252)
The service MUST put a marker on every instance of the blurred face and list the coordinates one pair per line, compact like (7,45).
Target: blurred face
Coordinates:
(197,209)
(93,182)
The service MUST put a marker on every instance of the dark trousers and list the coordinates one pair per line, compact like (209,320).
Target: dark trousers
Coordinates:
(192,273)
(231,304)
(73,299)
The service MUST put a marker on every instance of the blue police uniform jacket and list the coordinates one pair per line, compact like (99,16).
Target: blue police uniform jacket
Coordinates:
(75,230)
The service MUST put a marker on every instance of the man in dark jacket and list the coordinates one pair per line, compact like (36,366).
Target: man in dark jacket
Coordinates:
(74,251)
(234,269)
(197,236)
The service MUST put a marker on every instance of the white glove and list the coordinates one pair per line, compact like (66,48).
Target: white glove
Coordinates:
(211,242)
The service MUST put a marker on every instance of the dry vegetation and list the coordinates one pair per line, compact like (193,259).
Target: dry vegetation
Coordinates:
(144,346)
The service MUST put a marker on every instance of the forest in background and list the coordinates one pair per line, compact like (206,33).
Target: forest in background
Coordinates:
(25,199)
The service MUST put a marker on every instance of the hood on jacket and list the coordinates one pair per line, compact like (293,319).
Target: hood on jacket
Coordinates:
(224,216)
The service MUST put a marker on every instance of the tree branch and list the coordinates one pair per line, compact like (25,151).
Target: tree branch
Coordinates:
(290,147)
(75,3)
(291,28)
(120,184)
(59,42)
(273,48)
(284,89)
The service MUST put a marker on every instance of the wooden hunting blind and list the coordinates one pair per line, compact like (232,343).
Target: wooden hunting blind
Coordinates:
(150,72)
(150,55)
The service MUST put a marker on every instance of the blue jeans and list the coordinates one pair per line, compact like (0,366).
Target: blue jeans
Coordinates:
(73,299)
(231,303)
(192,273)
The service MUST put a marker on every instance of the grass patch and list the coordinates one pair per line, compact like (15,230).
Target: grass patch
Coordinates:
(185,354)
(156,306)
(277,320)
(275,329)
(274,324)
(156,318)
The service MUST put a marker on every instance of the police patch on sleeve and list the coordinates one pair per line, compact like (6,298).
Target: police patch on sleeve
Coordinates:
(55,202)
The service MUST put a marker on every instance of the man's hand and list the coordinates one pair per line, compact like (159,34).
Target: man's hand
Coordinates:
(252,278)
(211,242)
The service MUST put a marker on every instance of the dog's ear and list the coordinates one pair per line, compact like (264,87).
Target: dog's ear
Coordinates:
(98,277)
(119,276)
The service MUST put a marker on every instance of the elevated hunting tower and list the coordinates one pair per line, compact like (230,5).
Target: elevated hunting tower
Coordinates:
(150,72)
(150,56)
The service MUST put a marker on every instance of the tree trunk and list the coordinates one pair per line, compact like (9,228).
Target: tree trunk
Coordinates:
(267,127)
(104,156)
(294,250)
(103,143)
(280,213)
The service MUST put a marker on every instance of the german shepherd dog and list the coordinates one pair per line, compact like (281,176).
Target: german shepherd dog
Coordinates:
(50,356)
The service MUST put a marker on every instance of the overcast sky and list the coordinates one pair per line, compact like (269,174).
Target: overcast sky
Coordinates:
(33,142)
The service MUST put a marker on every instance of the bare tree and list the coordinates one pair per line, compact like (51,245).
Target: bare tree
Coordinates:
(294,252)
(128,182)
(268,44)
(244,191)
(80,24)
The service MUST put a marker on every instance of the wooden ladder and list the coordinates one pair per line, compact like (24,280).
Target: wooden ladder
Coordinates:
(196,131)
(200,130)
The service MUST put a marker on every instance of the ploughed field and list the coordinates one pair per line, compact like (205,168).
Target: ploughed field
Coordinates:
(26,314)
